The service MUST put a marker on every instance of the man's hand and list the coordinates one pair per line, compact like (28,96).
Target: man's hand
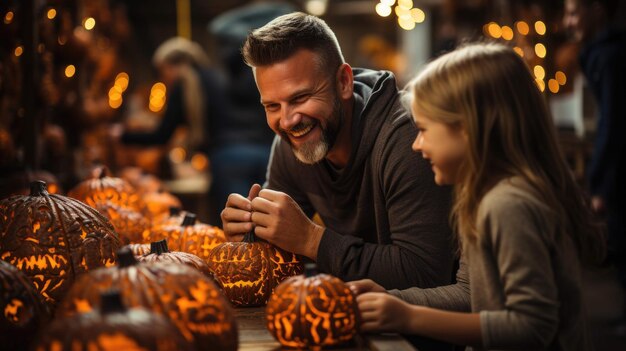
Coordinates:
(236,216)
(381,312)
(279,220)
(363,286)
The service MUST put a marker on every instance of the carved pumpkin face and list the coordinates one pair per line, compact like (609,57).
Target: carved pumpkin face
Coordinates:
(195,238)
(53,238)
(22,309)
(101,189)
(319,310)
(188,298)
(159,252)
(248,271)
(158,203)
(112,327)
(131,225)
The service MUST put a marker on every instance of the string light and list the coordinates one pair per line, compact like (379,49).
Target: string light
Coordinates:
(389,3)
(406,23)
(122,80)
(52,13)
(553,85)
(383,10)
(8,18)
(177,154)
(540,50)
(90,23)
(70,70)
(19,51)
(540,83)
(540,28)
(418,15)
(157,97)
(494,30)
(405,4)
(522,27)
(507,33)
(540,72)
(199,162)
(560,77)
(519,51)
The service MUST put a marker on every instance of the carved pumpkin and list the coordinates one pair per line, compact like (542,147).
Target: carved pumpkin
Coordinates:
(158,203)
(23,309)
(248,271)
(101,189)
(160,253)
(312,310)
(189,299)
(130,225)
(139,249)
(195,238)
(113,327)
(54,238)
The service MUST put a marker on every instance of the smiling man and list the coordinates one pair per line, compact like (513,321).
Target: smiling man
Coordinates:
(344,151)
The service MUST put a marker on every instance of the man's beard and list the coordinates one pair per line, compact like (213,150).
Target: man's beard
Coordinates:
(314,151)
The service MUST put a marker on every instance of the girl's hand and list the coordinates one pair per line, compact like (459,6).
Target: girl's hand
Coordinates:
(381,312)
(362,286)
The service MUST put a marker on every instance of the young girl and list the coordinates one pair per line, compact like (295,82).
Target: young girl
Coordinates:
(523,224)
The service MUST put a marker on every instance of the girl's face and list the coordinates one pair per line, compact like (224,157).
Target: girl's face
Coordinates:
(444,146)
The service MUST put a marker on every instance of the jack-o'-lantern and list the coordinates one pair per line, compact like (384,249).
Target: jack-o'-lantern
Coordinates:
(101,189)
(53,238)
(113,327)
(312,310)
(248,271)
(130,225)
(159,252)
(189,299)
(22,309)
(158,203)
(195,238)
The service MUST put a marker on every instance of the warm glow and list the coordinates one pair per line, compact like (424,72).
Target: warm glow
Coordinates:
(70,70)
(494,30)
(316,7)
(199,162)
(507,33)
(89,23)
(418,15)
(115,93)
(405,4)
(52,13)
(540,50)
(522,28)
(553,85)
(540,73)
(383,10)
(540,28)
(388,2)
(540,84)
(158,90)
(115,104)
(121,80)
(178,155)
(406,23)
(402,12)
(8,18)
(157,97)
(519,51)
(560,77)
(19,51)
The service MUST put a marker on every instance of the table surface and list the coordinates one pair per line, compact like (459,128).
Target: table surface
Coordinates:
(254,336)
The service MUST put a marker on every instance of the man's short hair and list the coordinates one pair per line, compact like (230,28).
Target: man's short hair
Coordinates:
(285,35)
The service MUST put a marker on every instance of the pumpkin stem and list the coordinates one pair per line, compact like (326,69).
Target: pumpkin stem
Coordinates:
(103,171)
(190,219)
(38,188)
(310,269)
(159,247)
(175,210)
(249,237)
(125,257)
(111,302)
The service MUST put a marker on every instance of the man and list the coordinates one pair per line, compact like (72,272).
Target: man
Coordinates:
(602,58)
(343,151)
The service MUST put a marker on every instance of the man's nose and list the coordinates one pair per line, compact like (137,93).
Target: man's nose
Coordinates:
(290,119)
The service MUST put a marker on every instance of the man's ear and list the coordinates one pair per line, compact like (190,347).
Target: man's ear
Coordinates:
(345,81)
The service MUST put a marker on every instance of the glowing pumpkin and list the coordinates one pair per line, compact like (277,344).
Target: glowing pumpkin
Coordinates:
(158,203)
(312,310)
(113,327)
(130,225)
(23,311)
(101,189)
(195,238)
(248,271)
(160,253)
(54,238)
(189,299)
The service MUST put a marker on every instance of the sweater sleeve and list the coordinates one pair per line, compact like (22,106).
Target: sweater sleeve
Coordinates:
(454,297)
(416,249)
(517,239)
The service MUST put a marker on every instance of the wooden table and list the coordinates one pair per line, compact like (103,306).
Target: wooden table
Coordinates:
(254,336)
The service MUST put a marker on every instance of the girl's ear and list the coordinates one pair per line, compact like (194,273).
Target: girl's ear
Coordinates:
(345,81)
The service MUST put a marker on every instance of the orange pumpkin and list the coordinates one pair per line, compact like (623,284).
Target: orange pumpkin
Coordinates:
(189,299)
(24,311)
(54,238)
(158,203)
(132,226)
(312,310)
(101,189)
(248,271)
(160,253)
(113,327)
(195,238)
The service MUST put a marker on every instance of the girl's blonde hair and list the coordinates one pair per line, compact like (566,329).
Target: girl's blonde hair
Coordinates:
(488,90)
